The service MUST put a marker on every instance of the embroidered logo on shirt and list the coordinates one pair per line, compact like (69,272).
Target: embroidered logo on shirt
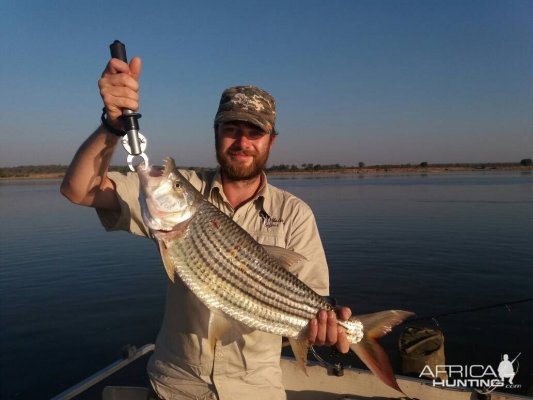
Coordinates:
(268,221)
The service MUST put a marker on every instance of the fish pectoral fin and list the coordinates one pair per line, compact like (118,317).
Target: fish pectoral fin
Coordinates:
(288,258)
(169,266)
(219,325)
(300,348)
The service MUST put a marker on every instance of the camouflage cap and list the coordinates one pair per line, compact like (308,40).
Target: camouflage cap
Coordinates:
(250,104)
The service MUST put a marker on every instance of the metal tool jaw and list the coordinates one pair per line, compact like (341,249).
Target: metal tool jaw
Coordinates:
(131,153)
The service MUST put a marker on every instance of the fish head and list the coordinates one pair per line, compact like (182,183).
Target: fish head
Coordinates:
(167,198)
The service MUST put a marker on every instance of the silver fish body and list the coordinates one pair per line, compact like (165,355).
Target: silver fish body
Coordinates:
(231,273)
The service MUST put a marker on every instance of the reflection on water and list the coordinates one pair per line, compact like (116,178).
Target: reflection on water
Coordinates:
(72,295)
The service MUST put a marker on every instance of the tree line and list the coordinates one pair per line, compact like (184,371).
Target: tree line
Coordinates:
(24,171)
(361,164)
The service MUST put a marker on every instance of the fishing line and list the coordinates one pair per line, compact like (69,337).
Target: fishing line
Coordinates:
(466,310)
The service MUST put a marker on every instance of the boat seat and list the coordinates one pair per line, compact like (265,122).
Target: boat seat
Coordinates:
(125,393)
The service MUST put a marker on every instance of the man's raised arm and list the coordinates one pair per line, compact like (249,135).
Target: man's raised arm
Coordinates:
(86,182)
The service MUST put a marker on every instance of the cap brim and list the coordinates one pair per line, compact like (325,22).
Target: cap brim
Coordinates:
(227,116)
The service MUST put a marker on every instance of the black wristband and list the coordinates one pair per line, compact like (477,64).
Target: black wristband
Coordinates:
(109,127)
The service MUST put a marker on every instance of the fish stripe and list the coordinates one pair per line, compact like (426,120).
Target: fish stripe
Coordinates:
(290,288)
(212,289)
(244,291)
(255,275)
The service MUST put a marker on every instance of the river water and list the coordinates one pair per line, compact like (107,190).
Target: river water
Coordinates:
(71,295)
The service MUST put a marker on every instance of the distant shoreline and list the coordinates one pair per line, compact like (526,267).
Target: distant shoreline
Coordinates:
(402,170)
(32,176)
(373,170)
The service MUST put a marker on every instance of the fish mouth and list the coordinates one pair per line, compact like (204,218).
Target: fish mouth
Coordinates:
(154,171)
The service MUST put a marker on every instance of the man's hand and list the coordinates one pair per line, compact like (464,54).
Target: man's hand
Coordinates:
(119,88)
(324,330)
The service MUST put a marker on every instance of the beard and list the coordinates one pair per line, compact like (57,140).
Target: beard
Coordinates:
(236,170)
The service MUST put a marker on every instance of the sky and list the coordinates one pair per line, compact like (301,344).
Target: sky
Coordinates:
(379,82)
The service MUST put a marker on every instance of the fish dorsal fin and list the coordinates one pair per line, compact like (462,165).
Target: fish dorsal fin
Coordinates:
(288,258)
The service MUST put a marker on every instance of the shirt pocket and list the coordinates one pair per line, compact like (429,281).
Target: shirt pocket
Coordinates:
(270,237)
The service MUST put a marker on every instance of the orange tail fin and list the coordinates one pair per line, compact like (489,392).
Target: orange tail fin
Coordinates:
(369,350)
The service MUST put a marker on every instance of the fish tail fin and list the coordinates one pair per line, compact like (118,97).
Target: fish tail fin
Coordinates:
(370,351)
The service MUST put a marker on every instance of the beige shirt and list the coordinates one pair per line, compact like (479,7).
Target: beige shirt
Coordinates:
(245,363)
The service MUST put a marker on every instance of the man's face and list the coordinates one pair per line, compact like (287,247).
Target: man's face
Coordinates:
(242,149)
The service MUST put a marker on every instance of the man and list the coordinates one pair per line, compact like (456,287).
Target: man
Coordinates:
(244,363)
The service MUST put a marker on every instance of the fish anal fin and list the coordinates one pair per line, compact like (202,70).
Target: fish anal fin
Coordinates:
(219,325)
(300,347)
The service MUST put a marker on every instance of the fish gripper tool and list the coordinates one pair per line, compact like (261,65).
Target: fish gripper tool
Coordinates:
(134,141)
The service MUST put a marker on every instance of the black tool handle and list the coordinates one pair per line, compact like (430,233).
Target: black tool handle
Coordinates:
(118,50)
(129,117)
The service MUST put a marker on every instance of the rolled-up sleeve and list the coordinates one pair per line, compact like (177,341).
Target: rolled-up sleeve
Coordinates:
(129,217)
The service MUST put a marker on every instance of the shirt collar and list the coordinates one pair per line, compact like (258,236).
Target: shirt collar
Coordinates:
(261,198)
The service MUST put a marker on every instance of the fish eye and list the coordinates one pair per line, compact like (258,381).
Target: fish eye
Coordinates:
(177,185)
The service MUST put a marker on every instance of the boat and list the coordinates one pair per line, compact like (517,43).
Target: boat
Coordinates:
(322,382)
